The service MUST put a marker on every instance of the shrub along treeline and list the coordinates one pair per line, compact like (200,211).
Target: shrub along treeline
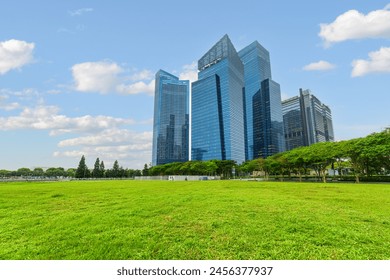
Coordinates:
(365,157)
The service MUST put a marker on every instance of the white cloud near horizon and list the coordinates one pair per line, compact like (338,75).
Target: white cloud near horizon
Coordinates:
(355,25)
(319,66)
(100,136)
(14,54)
(44,117)
(130,148)
(108,137)
(378,62)
(133,156)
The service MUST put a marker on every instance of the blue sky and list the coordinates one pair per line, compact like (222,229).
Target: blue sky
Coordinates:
(77,77)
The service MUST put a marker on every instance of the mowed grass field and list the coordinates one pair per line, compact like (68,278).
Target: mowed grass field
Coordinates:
(194,220)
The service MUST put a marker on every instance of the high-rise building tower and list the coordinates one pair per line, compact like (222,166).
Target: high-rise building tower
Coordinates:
(264,122)
(293,120)
(268,131)
(171,119)
(217,105)
(306,120)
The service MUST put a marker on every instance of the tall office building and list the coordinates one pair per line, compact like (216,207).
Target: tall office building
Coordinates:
(218,126)
(171,119)
(306,120)
(268,131)
(264,121)
(293,120)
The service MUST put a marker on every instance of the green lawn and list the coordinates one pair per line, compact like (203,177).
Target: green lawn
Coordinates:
(194,220)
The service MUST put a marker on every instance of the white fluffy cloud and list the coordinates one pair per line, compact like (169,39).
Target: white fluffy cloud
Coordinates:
(136,88)
(379,61)
(108,77)
(355,25)
(99,77)
(104,77)
(319,66)
(14,54)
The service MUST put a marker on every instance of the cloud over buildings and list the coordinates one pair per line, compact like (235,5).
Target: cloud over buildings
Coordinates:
(106,77)
(189,72)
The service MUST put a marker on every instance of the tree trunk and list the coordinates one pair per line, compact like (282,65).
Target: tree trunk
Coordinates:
(357,181)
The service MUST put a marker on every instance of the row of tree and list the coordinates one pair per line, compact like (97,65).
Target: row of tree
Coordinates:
(82,171)
(366,156)
(363,156)
(99,170)
(39,172)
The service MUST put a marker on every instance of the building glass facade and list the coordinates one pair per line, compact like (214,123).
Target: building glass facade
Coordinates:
(171,119)
(262,119)
(293,123)
(268,130)
(306,121)
(217,105)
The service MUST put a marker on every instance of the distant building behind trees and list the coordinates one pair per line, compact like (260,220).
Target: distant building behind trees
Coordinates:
(306,121)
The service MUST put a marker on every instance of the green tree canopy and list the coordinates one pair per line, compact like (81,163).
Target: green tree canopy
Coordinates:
(82,170)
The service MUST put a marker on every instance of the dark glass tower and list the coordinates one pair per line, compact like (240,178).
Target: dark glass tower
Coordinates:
(171,120)
(264,121)
(268,131)
(217,105)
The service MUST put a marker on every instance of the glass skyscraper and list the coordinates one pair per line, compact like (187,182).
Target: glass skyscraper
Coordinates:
(236,108)
(306,120)
(268,131)
(218,111)
(171,119)
(264,122)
